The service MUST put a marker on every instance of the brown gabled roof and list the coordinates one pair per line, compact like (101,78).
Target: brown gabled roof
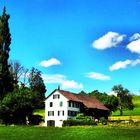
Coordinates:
(89,102)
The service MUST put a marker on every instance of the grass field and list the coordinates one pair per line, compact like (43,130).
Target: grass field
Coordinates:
(68,133)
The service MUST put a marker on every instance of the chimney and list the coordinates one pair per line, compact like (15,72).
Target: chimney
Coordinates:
(59,87)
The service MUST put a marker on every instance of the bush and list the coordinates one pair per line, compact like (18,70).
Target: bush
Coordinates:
(79,120)
(103,120)
(81,116)
(76,122)
(35,119)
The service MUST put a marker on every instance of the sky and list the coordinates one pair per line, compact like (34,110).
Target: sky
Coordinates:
(78,44)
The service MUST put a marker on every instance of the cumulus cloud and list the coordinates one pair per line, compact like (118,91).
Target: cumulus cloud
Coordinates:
(50,62)
(98,76)
(134,46)
(120,65)
(124,64)
(71,84)
(111,39)
(62,80)
(135,36)
(53,78)
(135,62)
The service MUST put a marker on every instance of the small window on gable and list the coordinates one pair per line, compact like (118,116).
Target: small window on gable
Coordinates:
(61,104)
(56,96)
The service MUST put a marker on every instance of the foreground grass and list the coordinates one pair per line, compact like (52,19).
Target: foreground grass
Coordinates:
(69,133)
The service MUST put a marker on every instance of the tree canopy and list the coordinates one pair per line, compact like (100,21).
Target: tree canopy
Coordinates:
(16,106)
(125,98)
(37,85)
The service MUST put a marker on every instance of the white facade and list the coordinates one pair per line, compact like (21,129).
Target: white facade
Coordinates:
(57,109)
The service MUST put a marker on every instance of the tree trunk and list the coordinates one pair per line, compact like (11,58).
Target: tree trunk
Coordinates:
(121,112)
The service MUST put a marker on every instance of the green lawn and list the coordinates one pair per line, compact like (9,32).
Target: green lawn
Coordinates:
(69,133)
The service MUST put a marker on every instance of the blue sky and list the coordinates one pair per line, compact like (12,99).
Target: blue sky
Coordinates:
(78,44)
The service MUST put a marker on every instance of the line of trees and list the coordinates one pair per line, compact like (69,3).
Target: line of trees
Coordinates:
(17,101)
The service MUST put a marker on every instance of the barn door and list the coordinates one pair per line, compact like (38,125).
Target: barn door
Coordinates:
(51,123)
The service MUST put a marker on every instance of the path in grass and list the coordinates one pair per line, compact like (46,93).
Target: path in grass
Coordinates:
(68,133)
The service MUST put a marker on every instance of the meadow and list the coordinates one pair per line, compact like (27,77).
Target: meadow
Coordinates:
(128,114)
(69,133)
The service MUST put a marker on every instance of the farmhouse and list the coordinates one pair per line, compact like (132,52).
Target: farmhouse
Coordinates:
(61,105)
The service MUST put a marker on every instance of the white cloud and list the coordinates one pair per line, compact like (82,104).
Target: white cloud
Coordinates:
(111,39)
(53,78)
(120,65)
(123,64)
(71,84)
(50,62)
(135,62)
(136,36)
(98,76)
(62,80)
(134,46)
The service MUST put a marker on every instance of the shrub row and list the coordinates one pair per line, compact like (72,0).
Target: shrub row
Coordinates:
(78,122)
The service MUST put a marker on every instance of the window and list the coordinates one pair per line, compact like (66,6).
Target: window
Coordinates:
(60,113)
(56,96)
(73,104)
(77,105)
(61,104)
(72,113)
(63,113)
(51,104)
(69,104)
(50,113)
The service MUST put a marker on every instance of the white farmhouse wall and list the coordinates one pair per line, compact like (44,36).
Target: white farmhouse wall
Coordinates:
(56,107)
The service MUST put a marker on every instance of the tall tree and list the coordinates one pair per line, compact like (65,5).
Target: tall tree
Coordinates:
(125,98)
(6,79)
(37,85)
